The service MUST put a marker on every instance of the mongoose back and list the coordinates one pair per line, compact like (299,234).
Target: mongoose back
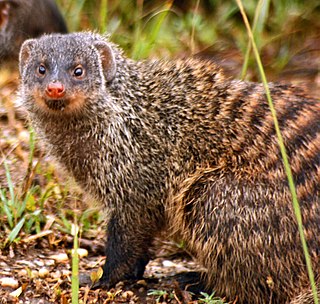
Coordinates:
(22,19)
(176,145)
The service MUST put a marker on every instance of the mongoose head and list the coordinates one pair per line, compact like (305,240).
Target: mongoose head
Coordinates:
(62,74)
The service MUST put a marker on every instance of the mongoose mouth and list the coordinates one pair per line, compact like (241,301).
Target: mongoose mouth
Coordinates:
(56,104)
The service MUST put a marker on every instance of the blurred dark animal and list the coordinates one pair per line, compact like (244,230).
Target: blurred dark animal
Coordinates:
(22,19)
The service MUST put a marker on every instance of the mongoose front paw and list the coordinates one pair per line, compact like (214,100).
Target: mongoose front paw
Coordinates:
(101,284)
(123,273)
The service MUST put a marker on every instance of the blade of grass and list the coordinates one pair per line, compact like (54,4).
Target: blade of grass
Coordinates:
(103,15)
(74,12)
(155,31)
(31,168)
(192,47)
(15,231)
(7,202)
(9,181)
(75,264)
(137,29)
(6,208)
(141,48)
(257,27)
(21,206)
(295,202)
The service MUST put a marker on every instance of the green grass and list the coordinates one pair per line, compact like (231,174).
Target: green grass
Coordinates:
(22,210)
(159,29)
(160,295)
(75,264)
(260,15)
(210,299)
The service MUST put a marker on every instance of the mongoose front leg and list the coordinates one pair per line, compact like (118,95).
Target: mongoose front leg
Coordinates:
(127,252)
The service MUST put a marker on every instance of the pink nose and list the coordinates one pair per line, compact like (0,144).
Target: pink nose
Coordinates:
(55,90)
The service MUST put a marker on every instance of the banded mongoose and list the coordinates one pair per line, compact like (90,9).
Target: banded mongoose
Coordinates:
(176,145)
(22,19)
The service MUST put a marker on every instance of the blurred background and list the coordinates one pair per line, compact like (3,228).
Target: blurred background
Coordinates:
(287,32)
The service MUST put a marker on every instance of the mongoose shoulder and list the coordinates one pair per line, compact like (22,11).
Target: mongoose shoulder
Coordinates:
(176,145)
(22,19)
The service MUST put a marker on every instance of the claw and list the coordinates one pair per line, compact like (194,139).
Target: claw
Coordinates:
(101,284)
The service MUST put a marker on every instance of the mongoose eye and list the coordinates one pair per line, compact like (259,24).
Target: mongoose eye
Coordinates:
(78,71)
(42,69)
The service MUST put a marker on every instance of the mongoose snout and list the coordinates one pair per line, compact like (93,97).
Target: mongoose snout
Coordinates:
(55,90)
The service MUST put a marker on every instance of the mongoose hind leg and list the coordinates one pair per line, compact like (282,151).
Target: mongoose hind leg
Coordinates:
(243,231)
(306,295)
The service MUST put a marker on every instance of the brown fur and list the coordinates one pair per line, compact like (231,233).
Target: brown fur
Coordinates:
(176,144)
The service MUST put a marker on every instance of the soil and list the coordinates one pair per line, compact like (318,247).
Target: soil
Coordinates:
(41,273)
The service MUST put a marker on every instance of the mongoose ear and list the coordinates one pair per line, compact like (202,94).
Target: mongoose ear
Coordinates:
(5,7)
(107,59)
(4,15)
(25,53)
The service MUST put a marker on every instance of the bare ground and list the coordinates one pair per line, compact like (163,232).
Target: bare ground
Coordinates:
(41,273)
